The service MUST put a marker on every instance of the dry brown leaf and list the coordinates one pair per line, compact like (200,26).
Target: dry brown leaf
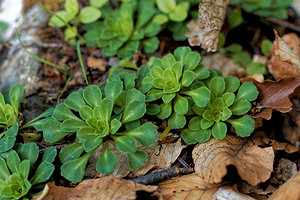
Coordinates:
(105,188)
(95,63)
(205,30)
(188,187)
(221,62)
(228,193)
(285,61)
(284,171)
(260,139)
(289,190)
(253,164)
(275,95)
(160,156)
(246,188)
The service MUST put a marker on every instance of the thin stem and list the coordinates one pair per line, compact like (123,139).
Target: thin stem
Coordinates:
(62,69)
(165,133)
(65,87)
(81,62)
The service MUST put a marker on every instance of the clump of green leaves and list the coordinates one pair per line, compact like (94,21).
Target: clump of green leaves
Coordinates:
(20,176)
(243,58)
(179,28)
(267,8)
(175,85)
(72,15)
(228,101)
(8,138)
(9,106)
(171,10)
(125,30)
(97,116)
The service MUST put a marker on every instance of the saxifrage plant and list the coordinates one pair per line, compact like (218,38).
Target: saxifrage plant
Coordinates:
(175,85)
(20,177)
(125,30)
(97,117)
(228,101)
(73,15)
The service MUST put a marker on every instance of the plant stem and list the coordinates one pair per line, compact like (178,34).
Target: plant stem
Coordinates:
(62,69)
(81,62)
(165,133)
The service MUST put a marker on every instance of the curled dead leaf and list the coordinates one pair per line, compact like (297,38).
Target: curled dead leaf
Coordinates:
(275,95)
(285,61)
(188,187)
(205,30)
(253,164)
(105,188)
(289,190)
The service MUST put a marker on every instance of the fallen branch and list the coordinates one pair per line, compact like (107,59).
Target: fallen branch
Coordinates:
(161,175)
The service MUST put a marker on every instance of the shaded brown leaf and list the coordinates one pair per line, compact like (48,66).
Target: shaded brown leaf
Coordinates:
(253,164)
(289,190)
(227,192)
(260,139)
(285,53)
(291,132)
(188,187)
(275,95)
(205,30)
(105,188)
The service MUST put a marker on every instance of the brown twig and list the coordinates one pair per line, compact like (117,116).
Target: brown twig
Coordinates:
(161,175)
(284,23)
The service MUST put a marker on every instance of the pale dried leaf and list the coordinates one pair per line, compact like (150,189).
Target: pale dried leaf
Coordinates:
(286,53)
(253,164)
(284,171)
(221,62)
(105,188)
(188,187)
(228,193)
(160,157)
(205,30)
(289,190)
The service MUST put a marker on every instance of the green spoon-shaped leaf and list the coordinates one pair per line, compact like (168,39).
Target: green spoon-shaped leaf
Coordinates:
(243,126)
(107,162)
(137,159)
